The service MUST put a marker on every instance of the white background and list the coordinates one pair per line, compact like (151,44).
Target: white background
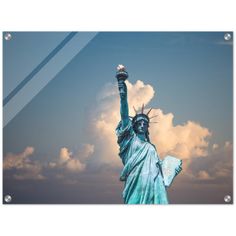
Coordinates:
(108,15)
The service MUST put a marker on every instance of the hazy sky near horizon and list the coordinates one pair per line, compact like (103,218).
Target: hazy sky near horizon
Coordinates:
(61,147)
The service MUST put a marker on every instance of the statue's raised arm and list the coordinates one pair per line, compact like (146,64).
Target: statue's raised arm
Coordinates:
(121,76)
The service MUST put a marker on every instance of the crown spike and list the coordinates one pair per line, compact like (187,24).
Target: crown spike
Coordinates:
(153,117)
(142,108)
(135,110)
(149,111)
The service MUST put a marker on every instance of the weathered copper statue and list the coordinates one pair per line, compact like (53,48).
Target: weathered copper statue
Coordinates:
(146,176)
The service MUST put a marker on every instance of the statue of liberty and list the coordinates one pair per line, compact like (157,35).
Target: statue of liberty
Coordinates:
(145,175)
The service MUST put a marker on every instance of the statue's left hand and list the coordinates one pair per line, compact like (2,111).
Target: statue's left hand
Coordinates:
(177,170)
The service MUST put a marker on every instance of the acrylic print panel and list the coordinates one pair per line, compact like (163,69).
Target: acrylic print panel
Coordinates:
(75,130)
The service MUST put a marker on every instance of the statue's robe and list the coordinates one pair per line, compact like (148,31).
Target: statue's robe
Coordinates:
(142,169)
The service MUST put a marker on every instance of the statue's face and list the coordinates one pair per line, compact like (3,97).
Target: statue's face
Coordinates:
(141,127)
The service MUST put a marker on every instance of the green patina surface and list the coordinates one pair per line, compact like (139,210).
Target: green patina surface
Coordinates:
(142,174)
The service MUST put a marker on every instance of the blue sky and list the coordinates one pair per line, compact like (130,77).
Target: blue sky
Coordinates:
(191,73)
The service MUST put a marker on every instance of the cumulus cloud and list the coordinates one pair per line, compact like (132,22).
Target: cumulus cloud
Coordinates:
(223,166)
(23,165)
(85,152)
(73,162)
(107,117)
(185,141)
(217,166)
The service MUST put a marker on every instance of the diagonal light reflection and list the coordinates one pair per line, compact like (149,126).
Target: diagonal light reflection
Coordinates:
(38,68)
(33,85)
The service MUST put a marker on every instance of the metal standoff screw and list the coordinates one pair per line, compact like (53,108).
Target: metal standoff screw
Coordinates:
(7,36)
(227,198)
(227,36)
(7,198)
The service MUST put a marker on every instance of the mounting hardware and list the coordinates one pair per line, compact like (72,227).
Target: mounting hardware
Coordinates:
(7,36)
(227,198)
(8,198)
(227,36)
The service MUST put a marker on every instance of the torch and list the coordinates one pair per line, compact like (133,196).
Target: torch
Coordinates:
(121,74)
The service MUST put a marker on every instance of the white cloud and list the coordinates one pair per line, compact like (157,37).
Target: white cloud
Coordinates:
(217,165)
(85,152)
(70,162)
(24,167)
(223,165)
(73,163)
(107,117)
(65,155)
(185,141)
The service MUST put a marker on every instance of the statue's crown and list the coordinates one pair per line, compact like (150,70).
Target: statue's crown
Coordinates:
(142,116)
